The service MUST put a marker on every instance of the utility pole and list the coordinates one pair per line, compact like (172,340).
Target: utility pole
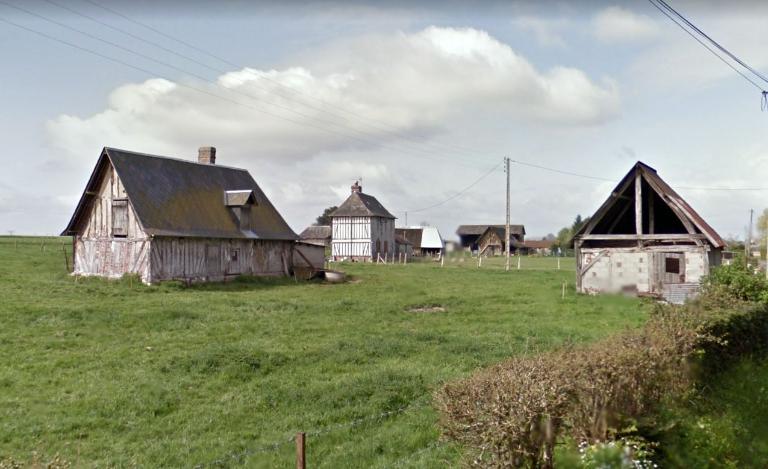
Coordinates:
(406,219)
(748,244)
(506,239)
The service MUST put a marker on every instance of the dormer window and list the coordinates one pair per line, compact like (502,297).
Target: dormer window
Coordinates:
(119,218)
(240,202)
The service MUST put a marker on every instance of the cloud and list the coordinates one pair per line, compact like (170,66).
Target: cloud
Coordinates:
(358,94)
(546,31)
(617,24)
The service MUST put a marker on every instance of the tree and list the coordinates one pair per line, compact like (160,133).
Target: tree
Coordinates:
(325,218)
(563,239)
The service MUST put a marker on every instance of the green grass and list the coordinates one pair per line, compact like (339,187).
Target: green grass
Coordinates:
(114,373)
(723,426)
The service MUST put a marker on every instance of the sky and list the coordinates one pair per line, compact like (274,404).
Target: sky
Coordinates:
(418,100)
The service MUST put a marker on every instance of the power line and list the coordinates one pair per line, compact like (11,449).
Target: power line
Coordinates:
(597,178)
(139,54)
(712,41)
(374,123)
(722,59)
(458,194)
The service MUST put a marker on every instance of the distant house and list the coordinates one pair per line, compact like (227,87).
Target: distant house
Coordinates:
(540,247)
(426,240)
(317,234)
(403,246)
(492,243)
(361,228)
(163,218)
(645,239)
(469,235)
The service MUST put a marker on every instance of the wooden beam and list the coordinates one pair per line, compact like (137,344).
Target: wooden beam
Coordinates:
(643,237)
(606,206)
(621,214)
(638,202)
(651,213)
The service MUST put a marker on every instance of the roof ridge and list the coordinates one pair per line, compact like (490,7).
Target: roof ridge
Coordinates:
(173,158)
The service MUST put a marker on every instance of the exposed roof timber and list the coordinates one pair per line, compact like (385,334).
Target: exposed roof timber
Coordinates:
(691,220)
(644,237)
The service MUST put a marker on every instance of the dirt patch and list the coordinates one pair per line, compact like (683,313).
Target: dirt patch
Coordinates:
(431,308)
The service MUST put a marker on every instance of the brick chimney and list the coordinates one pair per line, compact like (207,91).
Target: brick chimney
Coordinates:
(206,155)
(356,187)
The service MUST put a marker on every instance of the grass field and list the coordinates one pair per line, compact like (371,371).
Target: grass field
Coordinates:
(114,373)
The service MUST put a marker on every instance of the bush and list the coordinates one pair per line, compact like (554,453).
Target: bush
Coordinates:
(736,282)
(513,413)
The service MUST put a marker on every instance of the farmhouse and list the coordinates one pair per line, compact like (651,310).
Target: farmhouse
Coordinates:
(645,239)
(469,235)
(164,218)
(426,240)
(317,234)
(361,228)
(539,247)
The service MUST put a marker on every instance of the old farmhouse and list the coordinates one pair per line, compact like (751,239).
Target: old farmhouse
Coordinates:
(425,240)
(362,229)
(489,239)
(317,234)
(163,218)
(645,239)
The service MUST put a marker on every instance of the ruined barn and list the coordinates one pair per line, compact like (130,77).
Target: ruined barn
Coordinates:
(362,229)
(646,240)
(170,219)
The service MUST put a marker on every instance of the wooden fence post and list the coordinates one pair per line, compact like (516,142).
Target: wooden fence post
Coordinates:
(301,455)
(518,261)
(563,290)
(558,263)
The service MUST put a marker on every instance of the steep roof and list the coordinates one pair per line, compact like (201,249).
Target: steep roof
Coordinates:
(500,230)
(361,205)
(679,207)
(316,232)
(173,197)
(477,230)
(538,243)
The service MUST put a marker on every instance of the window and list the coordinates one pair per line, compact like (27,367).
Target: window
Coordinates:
(672,265)
(378,246)
(386,246)
(119,218)
(234,254)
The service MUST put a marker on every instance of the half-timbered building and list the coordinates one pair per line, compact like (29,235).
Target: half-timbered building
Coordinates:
(170,219)
(362,229)
(646,240)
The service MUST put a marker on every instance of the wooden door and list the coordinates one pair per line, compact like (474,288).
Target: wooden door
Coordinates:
(671,267)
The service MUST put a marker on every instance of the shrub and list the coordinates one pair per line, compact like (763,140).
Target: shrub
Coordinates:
(513,414)
(736,282)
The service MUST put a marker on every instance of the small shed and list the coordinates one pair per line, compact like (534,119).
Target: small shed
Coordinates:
(317,234)
(361,228)
(469,235)
(645,239)
(539,247)
(170,219)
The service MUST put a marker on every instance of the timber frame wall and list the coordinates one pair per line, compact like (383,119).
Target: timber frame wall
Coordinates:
(667,265)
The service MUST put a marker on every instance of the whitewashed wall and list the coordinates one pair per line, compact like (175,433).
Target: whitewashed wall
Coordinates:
(96,251)
(356,237)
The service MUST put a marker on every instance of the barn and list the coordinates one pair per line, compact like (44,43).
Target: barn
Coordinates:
(469,235)
(362,229)
(646,240)
(425,240)
(171,219)
(317,234)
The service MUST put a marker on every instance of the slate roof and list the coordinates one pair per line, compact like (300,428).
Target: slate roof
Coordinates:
(412,235)
(469,230)
(426,237)
(316,232)
(361,205)
(173,197)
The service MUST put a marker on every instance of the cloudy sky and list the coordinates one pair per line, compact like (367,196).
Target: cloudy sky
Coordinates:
(419,99)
